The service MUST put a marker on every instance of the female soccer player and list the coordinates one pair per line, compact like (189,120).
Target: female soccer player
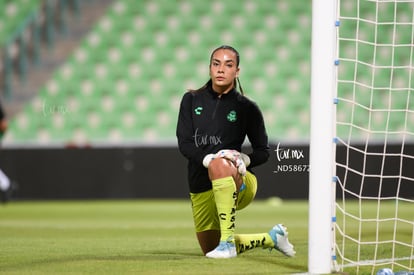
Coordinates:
(212,125)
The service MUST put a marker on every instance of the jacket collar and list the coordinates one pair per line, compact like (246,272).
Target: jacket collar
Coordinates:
(215,95)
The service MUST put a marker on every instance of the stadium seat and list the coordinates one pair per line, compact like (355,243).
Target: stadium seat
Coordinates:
(125,80)
(12,15)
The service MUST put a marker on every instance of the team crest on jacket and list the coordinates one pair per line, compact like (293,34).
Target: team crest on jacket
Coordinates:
(232,116)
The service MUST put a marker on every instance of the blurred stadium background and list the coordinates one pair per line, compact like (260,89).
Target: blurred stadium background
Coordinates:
(106,77)
(124,80)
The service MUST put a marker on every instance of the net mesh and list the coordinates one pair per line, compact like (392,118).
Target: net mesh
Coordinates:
(375,136)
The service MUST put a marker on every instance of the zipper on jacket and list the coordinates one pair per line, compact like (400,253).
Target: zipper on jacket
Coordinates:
(216,107)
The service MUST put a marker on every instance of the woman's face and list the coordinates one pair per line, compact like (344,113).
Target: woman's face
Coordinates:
(223,70)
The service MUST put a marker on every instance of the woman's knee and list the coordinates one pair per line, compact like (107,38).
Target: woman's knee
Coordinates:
(220,168)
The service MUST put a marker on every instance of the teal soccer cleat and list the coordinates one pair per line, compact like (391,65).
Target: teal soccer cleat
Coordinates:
(279,236)
(224,250)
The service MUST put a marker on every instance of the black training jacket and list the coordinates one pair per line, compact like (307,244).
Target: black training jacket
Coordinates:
(208,123)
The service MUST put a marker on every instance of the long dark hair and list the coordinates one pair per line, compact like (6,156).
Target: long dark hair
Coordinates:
(236,80)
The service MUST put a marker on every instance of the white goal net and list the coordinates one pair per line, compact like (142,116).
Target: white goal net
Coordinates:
(374,208)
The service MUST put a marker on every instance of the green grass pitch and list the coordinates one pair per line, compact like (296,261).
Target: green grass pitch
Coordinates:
(138,237)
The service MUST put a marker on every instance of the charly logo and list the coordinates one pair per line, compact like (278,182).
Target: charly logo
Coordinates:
(232,116)
(198,110)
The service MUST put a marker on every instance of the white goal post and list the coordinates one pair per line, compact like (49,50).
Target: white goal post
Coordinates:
(361,180)
(321,156)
